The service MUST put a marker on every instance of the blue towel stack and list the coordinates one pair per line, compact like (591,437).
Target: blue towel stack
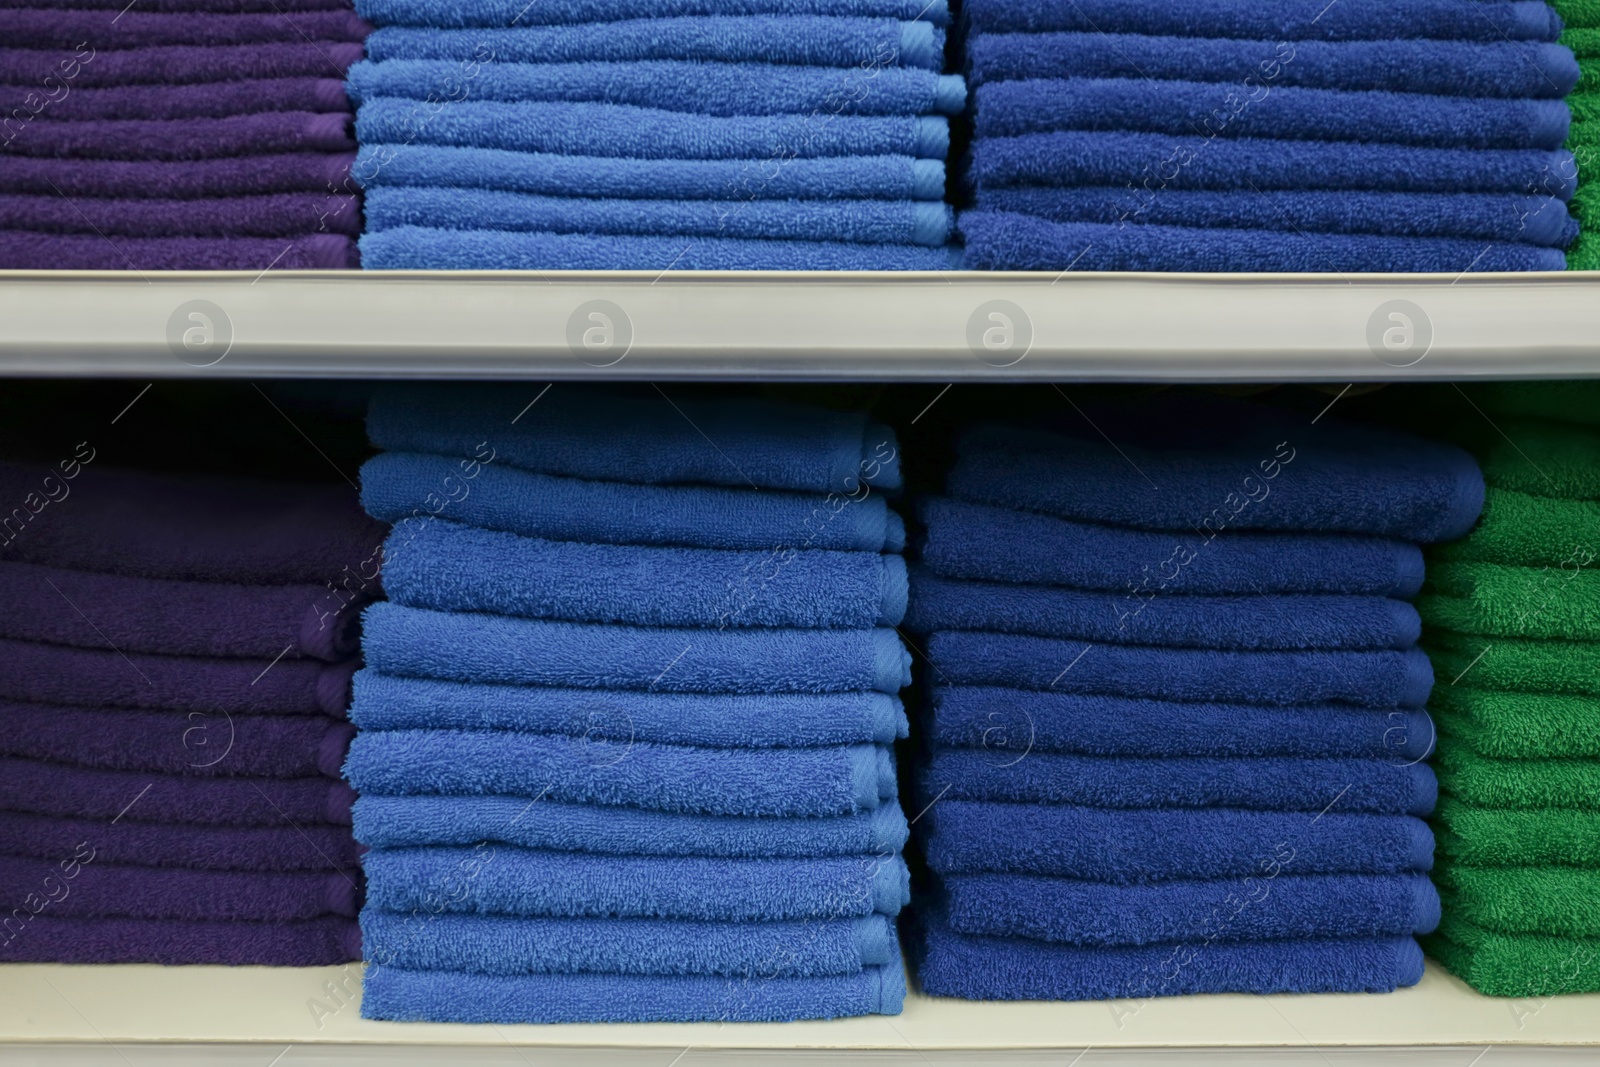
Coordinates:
(624,729)
(1228,135)
(1177,709)
(624,135)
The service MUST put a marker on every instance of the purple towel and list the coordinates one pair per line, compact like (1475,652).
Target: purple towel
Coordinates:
(62,790)
(212,100)
(295,172)
(280,215)
(20,250)
(175,742)
(316,943)
(38,28)
(106,890)
(205,6)
(232,848)
(187,139)
(109,611)
(180,65)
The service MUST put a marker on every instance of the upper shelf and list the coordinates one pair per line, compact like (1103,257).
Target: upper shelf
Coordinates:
(927,327)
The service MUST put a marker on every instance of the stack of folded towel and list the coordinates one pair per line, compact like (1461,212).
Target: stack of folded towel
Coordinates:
(613,134)
(1176,705)
(177,659)
(177,135)
(625,721)
(1582,18)
(1227,135)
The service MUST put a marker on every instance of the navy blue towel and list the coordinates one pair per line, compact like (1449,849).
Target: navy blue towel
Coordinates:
(966,540)
(1009,724)
(1152,845)
(561,12)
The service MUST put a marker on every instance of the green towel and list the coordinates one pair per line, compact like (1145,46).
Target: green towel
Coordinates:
(1585,43)
(1571,667)
(1511,725)
(1578,13)
(1574,401)
(1518,783)
(1524,530)
(1490,837)
(1494,599)
(1515,965)
(1560,901)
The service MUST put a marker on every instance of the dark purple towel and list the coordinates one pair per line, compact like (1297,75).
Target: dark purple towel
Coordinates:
(178,65)
(233,848)
(314,943)
(135,28)
(187,139)
(282,215)
(321,172)
(98,890)
(199,6)
(20,250)
(80,792)
(56,674)
(176,742)
(212,100)
(88,609)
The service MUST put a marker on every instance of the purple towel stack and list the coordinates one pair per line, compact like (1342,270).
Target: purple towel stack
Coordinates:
(175,668)
(177,135)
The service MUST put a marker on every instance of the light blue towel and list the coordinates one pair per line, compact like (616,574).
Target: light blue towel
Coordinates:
(504,880)
(405,822)
(702,88)
(914,222)
(443,996)
(503,944)
(400,485)
(769,720)
(834,780)
(621,130)
(558,12)
(804,40)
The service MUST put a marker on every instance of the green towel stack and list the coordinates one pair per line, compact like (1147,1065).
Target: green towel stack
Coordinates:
(1511,618)
(1583,37)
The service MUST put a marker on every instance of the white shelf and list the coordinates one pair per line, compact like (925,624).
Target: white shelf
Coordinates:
(58,1014)
(929,327)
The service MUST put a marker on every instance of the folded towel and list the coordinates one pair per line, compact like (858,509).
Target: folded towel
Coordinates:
(1499,837)
(999,241)
(1526,530)
(503,880)
(442,996)
(767,720)
(802,40)
(182,64)
(1556,667)
(223,848)
(41,28)
(1007,109)
(700,88)
(1264,908)
(208,6)
(278,215)
(21,250)
(1151,845)
(1524,900)
(1539,400)
(400,485)
(1494,599)
(1162,161)
(967,540)
(490,648)
(295,172)
(836,780)
(314,943)
(402,822)
(560,12)
(508,945)
(1511,725)
(1548,459)
(1237,622)
(1364,679)
(447,566)
(213,100)
(1498,69)
(643,436)
(1536,220)
(85,793)
(1519,783)
(1516,965)
(1012,723)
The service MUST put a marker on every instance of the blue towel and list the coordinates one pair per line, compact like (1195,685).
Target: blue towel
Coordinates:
(1503,69)
(442,996)
(503,880)
(400,485)
(803,40)
(964,837)
(488,648)
(1012,723)
(643,436)
(557,12)
(1258,783)
(450,567)
(1007,109)
(1237,622)
(1534,220)
(769,720)
(1364,679)
(418,248)
(1531,20)
(917,222)
(967,540)
(1014,968)
(1157,161)
(621,130)
(845,178)
(701,88)
(404,822)
(834,780)
(501,944)
(999,241)
(1260,908)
